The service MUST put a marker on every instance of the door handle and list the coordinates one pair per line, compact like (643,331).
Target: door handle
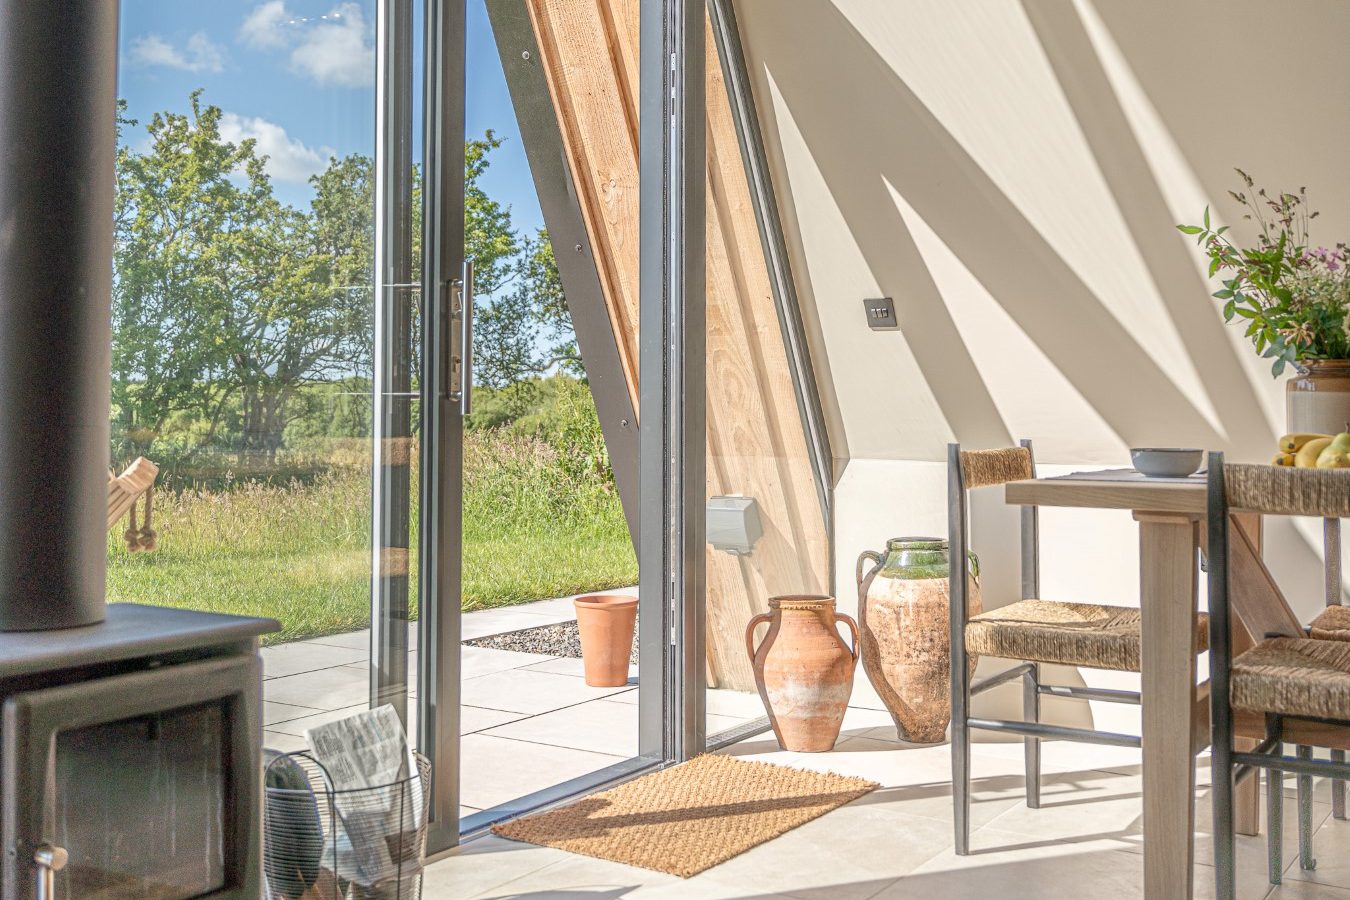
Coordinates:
(466,340)
(457,376)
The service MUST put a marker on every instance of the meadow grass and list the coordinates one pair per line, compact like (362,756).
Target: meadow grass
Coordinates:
(535,526)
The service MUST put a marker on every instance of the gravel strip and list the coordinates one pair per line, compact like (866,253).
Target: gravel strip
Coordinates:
(563,639)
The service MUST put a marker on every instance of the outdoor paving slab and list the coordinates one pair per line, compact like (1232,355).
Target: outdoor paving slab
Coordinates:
(487,622)
(364,666)
(282,742)
(280,712)
(351,640)
(518,690)
(569,665)
(298,725)
(494,770)
(306,656)
(598,725)
(476,718)
(323,689)
(476,661)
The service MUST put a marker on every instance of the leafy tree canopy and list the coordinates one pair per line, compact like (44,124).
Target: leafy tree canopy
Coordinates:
(227,302)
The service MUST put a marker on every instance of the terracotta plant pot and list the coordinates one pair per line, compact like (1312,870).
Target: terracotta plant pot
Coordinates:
(1318,400)
(906,633)
(804,670)
(606,625)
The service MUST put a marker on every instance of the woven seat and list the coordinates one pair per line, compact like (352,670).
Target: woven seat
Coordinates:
(1294,677)
(1074,634)
(1332,625)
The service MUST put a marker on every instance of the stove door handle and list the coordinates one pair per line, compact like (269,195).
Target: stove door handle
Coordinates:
(50,859)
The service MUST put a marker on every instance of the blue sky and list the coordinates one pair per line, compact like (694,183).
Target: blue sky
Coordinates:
(298,76)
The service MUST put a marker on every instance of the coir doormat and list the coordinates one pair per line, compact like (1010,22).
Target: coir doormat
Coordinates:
(688,818)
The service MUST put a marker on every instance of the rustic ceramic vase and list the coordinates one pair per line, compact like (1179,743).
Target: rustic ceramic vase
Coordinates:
(804,670)
(903,605)
(1318,400)
(606,623)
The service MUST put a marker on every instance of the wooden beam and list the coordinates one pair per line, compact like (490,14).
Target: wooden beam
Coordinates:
(757,445)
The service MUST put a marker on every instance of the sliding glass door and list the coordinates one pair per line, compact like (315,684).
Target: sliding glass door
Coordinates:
(529,444)
(380,271)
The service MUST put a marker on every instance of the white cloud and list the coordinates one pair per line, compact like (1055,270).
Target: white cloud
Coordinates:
(288,159)
(336,48)
(200,54)
(266,26)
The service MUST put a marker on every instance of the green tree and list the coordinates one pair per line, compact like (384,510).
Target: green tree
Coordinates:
(228,303)
(176,211)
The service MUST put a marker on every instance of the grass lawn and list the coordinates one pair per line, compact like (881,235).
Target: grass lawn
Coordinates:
(300,553)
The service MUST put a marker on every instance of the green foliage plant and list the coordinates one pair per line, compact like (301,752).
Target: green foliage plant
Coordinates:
(1294,299)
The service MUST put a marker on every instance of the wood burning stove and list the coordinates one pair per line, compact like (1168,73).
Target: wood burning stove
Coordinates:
(130,735)
(129,749)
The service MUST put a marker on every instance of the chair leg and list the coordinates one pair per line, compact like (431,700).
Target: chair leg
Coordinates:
(1305,852)
(1221,796)
(1031,712)
(1275,824)
(1338,788)
(961,761)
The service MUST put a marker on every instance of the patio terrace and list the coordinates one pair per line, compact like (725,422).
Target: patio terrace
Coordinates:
(528,721)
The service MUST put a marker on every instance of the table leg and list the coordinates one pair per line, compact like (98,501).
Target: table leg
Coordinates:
(1168,603)
(1247,796)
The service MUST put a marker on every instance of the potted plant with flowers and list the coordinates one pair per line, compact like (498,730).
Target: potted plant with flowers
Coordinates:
(1294,300)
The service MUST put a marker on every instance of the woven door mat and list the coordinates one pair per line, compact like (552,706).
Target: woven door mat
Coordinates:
(690,817)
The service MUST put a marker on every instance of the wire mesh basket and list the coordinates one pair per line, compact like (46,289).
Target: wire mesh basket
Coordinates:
(322,843)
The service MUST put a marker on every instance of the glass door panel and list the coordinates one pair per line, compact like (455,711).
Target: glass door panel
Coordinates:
(243,341)
(543,515)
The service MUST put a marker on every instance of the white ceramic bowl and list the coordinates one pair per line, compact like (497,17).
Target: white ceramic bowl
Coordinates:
(1166,462)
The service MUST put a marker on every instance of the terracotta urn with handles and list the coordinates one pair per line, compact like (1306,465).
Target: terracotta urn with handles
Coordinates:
(804,670)
(903,607)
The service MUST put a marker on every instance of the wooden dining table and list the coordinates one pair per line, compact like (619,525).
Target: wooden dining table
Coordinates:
(1172,528)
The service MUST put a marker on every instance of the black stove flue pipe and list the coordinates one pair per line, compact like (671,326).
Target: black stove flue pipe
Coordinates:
(58,76)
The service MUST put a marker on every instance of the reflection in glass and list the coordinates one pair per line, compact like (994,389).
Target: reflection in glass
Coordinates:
(242,317)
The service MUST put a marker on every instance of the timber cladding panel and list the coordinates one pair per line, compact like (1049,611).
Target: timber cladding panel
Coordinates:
(757,446)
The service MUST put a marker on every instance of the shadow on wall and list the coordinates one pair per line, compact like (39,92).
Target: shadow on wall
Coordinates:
(878,146)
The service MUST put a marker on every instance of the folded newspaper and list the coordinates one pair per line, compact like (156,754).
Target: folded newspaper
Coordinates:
(376,795)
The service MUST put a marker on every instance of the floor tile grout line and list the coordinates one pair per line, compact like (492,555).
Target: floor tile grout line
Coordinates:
(267,678)
(502,737)
(525,717)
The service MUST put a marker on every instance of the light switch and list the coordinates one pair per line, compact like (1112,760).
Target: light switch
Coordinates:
(880,313)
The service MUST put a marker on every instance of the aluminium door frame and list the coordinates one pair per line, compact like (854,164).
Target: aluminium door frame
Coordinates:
(392,358)
(441,508)
(671,545)
(671,344)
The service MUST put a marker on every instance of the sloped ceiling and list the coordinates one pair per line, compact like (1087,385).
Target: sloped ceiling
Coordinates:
(1011,173)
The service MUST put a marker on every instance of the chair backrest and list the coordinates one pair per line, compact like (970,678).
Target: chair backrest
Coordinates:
(968,469)
(1272,490)
(1285,490)
(986,468)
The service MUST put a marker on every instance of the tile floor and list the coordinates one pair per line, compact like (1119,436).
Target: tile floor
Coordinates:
(528,721)
(895,843)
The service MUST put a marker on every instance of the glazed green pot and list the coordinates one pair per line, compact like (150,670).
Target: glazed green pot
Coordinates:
(903,614)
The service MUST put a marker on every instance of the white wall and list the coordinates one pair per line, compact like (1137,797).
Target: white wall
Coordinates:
(1011,173)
